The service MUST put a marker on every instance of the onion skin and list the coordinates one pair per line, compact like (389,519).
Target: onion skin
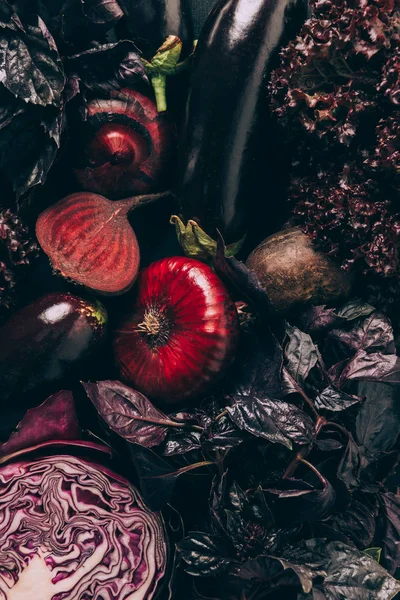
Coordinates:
(295,274)
(182,333)
(127,146)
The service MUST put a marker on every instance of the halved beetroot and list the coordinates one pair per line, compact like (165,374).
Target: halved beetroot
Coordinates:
(90,241)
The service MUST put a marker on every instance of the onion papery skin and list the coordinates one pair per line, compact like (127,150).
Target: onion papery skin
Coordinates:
(70,529)
(89,240)
(197,337)
(127,146)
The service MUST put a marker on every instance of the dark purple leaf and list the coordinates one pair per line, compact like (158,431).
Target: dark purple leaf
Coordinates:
(297,501)
(373,367)
(335,400)
(377,424)
(181,441)
(204,554)
(350,465)
(55,419)
(157,477)
(28,146)
(389,524)
(344,573)
(108,67)
(317,320)
(258,365)
(221,434)
(374,333)
(354,310)
(300,354)
(102,11)
(128,413)
(273,420)
(356,524)
(264,568)
(244,518)
(328,444)
(31,68)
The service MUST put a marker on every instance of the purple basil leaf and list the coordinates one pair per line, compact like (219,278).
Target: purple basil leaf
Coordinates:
(355,309)
(157,477)
(335,400)
(102,12)
(298,501)
(377,426)
(356,524)
(221,434)
(300,354)
(328,444)
(29,145)
(55,419)
(181,442)
(350,465)
(373,367)
(73,23)
(108,67)
(389,525)
(374,333)
(128,413)
(258,365)
(204,554)
(30,66)
(273,420)
(317,320)
(243,282)
(265,567)
(344,572)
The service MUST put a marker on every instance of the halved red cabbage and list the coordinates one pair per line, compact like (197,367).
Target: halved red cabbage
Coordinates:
(70,529)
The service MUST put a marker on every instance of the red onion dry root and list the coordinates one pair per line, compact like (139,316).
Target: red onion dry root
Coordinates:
(127,146)
(182,333)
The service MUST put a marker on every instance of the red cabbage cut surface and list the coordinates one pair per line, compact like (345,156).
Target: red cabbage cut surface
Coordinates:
(70,529)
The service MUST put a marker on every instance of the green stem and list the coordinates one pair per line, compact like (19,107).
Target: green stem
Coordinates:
(159,83)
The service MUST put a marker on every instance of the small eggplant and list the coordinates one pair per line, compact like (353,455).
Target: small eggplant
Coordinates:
(43,341)
(219,175)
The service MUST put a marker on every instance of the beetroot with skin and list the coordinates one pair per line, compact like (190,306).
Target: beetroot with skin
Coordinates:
(182,333)
(89,240)
(126,146)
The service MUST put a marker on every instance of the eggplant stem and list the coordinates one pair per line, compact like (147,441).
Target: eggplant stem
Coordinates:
(159,83)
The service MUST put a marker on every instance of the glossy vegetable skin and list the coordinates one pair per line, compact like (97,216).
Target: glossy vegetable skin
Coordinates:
(43,341)
(181,334)
(220,144)
(150,22)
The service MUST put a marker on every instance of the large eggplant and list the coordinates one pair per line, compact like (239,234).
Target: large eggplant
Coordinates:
(43,341)
(150,22)
(224,134)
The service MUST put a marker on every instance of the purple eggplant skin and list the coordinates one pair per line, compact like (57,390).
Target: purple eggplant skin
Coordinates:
(150,22)
(43,341)
(223,137)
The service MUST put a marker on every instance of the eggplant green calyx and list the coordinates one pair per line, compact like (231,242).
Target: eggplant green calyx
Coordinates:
(196,243)
(166,63)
